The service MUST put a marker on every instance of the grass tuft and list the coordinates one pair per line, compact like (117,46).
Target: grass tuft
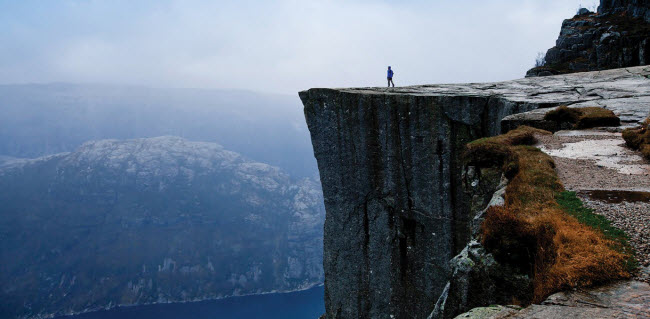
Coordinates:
(496,151)
(559,245)
(583,117)
(574,207)
(639,138)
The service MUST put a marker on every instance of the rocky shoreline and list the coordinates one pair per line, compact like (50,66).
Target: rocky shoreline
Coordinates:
(112,307)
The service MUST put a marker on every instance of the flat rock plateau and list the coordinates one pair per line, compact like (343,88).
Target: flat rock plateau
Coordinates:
(390,166)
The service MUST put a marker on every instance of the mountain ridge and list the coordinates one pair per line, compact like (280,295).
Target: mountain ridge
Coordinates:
(42,119)
(152,220)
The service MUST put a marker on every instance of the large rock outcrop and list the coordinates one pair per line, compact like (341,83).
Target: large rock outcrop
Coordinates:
(617,36)
(391,167)
(634,8)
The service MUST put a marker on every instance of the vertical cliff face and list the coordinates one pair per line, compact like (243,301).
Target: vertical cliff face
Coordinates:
(390,170)
(390,165)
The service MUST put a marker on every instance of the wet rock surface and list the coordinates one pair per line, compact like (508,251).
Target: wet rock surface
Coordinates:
(617,196)
(627,299)
(389,161)
(597,162)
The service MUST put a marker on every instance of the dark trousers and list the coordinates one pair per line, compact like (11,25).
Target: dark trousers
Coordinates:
(390,81)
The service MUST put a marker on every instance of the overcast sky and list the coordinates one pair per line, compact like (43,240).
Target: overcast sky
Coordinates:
(275,46)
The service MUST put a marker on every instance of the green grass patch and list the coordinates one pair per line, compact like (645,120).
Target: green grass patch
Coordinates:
(574,207)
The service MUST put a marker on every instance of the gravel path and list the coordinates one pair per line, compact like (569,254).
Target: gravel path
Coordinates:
(598,160)
(588,160)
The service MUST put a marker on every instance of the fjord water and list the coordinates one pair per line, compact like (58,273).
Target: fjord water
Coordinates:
(305,304)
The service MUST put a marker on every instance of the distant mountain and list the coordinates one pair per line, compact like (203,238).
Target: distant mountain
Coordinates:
(43,119)
(151,220)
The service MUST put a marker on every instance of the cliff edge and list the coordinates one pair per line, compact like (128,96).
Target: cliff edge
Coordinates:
(398,198)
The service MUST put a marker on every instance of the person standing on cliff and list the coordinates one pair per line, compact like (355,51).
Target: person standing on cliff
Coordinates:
(390,77)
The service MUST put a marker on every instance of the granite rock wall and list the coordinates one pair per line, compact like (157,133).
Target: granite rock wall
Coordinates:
(391,167)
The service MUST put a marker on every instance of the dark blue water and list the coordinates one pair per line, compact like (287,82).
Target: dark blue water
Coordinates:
(306,304)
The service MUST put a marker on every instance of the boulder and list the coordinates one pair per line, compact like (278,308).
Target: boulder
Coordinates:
(583,11)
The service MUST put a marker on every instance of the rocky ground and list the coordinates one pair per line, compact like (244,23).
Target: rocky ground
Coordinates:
(611,179)
(595,159)
(626,299)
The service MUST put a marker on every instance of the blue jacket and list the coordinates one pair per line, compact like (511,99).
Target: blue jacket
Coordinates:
(390,73)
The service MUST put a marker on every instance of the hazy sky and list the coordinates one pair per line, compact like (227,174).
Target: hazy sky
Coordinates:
(275,46)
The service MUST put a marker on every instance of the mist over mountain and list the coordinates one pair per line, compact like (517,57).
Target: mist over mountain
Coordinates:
(42,119)
(151,220)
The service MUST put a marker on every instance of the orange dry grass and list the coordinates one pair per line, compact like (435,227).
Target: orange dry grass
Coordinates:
(523,135)
(584,117)
(532,232)
(497,150)
(639,138)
